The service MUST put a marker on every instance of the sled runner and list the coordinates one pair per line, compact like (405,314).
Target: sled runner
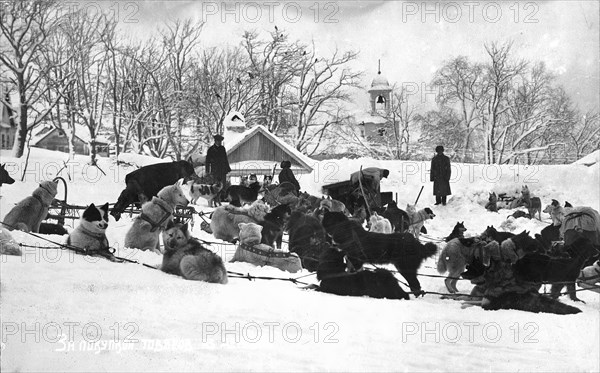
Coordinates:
(61,211)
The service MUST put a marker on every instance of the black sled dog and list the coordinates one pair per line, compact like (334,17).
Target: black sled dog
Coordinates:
(402,250)
(530,302)
(239,195)
(379,283)
(561,271)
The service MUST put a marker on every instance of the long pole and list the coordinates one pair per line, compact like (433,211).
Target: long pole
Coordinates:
(417,200)
(363,191)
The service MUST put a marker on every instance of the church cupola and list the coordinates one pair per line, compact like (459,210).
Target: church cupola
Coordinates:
(380,93)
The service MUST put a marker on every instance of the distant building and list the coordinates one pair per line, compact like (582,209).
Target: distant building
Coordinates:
(8,124)
(52,138)
(375,123)
(257,151)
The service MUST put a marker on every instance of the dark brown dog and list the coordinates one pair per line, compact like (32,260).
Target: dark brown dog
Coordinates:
(274,224)
(239,195)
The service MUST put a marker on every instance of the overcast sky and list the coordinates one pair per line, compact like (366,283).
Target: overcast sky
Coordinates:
(412,39)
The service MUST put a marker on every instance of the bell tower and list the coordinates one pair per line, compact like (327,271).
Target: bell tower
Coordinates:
(380,93)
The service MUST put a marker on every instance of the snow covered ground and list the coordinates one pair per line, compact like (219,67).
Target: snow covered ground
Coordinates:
(63,312)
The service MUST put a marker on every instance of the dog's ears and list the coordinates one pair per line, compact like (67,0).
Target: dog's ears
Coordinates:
(91,205)
(184,228)
(104,206)
(170,224)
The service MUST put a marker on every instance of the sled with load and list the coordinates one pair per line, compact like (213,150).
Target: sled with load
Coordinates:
(583,221)
(358,191)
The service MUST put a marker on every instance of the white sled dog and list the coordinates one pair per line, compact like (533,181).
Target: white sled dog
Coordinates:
(28,214)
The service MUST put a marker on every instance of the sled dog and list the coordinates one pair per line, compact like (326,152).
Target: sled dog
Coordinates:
(28,214)
(156,214)
(185,256)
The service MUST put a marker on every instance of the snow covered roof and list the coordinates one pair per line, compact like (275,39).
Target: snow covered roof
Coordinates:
(380,83)
(590,159)
(362,118)
(234,140)
(81,132)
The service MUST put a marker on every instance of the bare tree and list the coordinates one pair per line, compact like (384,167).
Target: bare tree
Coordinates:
(499,78)
(24,27)
(86,34)
(138,63)
(585,134)
(534,107)
(443,126)
(275,63)
(221,84)
(61,82)
(319,89)
(459,83)
(180,40)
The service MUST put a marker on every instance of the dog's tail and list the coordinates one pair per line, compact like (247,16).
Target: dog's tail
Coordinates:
(441,264)
(205,266)
(429,249)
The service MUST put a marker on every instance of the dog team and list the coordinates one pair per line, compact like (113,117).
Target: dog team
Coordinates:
(393,238)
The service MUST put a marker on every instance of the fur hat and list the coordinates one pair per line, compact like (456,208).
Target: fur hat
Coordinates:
(218,137)
(439,149)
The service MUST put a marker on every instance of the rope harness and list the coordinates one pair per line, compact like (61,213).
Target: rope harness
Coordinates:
(109,255)
(165,207)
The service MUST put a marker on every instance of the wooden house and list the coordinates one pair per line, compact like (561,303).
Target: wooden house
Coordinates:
(257,151)
(52,138)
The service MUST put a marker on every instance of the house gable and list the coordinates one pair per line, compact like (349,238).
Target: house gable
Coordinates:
(258,144)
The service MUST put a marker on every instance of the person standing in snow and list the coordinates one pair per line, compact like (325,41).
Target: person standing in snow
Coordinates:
(440,175)
(217,163)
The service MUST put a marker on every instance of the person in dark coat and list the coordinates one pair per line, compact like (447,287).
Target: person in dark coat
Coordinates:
(287,175)
(440,175)
(217,163)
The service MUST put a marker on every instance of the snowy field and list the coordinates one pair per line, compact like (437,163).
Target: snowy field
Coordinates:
(63,312)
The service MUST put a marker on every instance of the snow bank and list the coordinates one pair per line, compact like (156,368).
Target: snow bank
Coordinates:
(62,312)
